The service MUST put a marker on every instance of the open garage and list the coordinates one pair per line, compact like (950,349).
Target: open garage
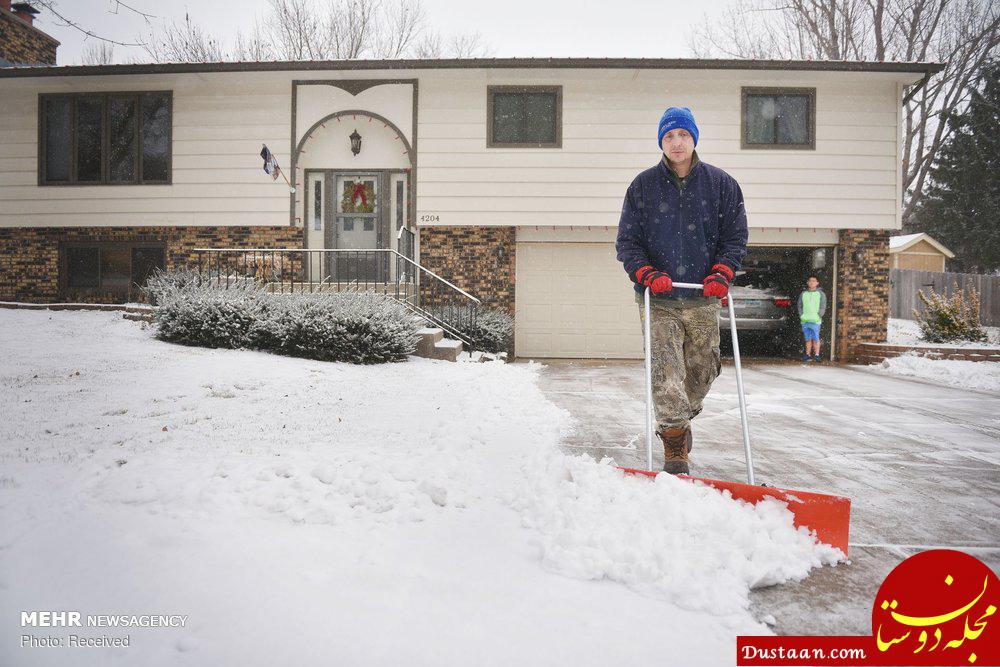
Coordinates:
(573,300)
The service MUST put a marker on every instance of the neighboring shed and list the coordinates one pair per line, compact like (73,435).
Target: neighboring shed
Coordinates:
(917,251)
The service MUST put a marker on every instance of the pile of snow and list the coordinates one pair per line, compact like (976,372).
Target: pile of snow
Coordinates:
(983,375)
(306,511)
(687,542)
(907,332)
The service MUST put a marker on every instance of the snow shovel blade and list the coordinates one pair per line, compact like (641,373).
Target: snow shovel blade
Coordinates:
(829,516)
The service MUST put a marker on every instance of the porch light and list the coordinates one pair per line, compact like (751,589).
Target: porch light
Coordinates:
(355,142)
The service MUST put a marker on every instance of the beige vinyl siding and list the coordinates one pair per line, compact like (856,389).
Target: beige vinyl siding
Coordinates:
(609,135)
(219,123)
(609,129)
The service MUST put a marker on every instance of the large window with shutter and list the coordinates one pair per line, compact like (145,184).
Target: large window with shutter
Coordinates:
(104,138)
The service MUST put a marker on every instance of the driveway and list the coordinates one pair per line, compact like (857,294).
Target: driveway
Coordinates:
(920,462)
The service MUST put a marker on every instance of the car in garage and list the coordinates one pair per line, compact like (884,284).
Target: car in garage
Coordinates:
(758,302)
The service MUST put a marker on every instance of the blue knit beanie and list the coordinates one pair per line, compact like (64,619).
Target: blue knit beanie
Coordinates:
(674,118)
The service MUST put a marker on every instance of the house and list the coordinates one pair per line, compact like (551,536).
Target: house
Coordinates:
(918,251)
(500,178)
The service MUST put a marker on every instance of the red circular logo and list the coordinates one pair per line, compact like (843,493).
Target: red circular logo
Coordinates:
(939,607)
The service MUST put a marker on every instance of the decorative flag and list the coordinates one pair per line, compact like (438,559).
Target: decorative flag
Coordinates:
(270,163)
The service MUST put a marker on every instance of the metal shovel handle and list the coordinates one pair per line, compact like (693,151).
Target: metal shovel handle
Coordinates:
(648,341)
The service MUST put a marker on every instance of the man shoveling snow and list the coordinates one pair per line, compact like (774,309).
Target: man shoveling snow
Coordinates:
(683,219)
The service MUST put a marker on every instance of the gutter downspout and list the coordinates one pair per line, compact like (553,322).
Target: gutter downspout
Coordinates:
(917,86)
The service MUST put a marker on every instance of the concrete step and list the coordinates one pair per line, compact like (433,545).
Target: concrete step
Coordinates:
(433,345)
(448,349)
(429,336)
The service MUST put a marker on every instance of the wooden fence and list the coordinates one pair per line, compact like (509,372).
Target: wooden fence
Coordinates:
(907,282)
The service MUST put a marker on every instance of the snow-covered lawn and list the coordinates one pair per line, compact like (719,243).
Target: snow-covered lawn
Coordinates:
(982,375)
(907,332)
(950,372)
(300,512)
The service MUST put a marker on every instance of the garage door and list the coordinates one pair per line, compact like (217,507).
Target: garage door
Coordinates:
(574,300)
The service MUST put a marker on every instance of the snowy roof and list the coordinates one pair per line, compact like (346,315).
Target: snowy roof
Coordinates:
(900,243)
(896,242)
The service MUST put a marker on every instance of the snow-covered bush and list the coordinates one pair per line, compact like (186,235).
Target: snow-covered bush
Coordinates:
(207,316)
(950,319)
(490,330)
(357,327)
(360,328)
(161,281)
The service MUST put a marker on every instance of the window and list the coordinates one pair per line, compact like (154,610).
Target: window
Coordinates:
(779,118)
(114,270)
(524,116)
(104,138)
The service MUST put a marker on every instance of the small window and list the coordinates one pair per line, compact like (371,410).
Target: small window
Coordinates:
(145,262)
(524,116)
(782,118)
(55,128)
(122,158)
(104,138)
(110,270)
(89,131)
(83,268)
(156,126)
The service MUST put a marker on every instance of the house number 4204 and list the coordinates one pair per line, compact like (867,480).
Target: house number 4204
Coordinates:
(430,217)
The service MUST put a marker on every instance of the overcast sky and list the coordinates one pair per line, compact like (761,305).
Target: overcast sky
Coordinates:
(652,29)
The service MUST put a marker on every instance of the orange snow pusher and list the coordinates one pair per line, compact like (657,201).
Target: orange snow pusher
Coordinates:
(828,515)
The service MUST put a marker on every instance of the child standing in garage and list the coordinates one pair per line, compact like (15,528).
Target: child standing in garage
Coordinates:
(811,306)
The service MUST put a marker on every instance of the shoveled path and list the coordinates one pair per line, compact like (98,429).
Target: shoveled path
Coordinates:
(920,462)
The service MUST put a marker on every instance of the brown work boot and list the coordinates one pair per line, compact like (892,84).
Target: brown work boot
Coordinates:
(675,450)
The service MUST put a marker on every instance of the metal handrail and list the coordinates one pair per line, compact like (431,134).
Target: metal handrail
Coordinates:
(269,255)
(388,250)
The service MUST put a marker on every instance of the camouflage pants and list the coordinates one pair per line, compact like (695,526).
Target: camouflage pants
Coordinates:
(686,360)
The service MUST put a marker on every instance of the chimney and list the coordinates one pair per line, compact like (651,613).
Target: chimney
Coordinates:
(24,10)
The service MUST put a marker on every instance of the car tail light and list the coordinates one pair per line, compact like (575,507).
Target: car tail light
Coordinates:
(782,303)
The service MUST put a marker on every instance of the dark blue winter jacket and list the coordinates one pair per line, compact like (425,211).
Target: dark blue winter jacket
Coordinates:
(682,226)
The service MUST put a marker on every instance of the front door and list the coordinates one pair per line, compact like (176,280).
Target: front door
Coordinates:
(355,213)
(356,227)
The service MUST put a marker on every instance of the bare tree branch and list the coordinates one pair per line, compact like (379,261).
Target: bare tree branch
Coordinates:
(98,53)
(321,30)
(50,7)
(961,33)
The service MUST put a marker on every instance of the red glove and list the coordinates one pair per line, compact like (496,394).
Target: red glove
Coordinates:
(657,281)
(717,282)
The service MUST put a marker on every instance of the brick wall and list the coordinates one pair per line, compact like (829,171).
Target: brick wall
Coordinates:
(862,289)
(24,44)
(29,257)
(480,260)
